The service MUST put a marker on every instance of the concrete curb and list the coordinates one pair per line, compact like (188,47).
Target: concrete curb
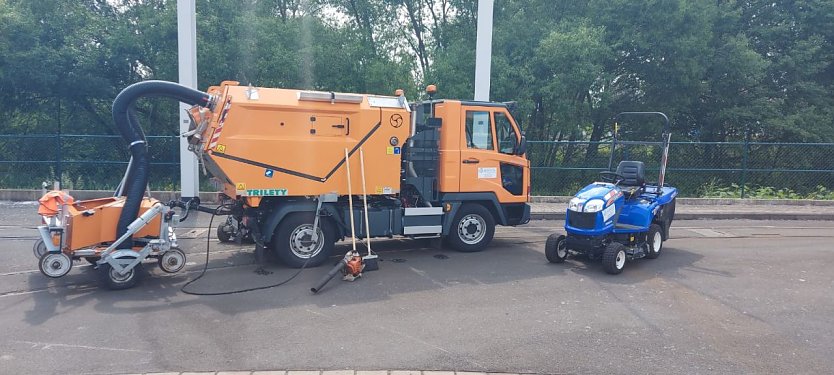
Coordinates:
(712,201)
(715,216)
(335,372)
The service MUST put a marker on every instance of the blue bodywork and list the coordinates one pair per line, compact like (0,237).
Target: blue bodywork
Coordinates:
(618,214)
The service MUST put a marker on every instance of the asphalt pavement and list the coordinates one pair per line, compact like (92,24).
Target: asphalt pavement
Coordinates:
(726,296)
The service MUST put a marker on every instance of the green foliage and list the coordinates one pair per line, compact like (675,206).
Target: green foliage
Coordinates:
(716,189)
(724,70)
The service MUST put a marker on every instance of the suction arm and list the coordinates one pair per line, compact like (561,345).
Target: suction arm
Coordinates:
(127,123)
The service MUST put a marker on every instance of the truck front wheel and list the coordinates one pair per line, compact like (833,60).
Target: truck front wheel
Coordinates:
(294,243)
(472,229)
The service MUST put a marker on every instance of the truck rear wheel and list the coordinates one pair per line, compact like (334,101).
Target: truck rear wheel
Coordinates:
(293,242)
(472,229)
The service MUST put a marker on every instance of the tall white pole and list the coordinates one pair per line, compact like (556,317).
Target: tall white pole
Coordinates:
(483,50)
(187,51)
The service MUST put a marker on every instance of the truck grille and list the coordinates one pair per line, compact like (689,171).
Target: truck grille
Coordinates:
(582,220)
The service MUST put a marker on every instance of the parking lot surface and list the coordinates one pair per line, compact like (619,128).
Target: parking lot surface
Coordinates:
(724,297)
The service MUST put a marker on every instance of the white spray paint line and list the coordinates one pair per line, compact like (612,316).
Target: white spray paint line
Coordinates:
(49,345)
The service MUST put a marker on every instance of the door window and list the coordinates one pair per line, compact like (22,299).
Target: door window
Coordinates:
(507,140)
(478,130)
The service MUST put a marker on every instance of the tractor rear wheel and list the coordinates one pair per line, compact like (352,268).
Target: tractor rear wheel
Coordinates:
(655,241)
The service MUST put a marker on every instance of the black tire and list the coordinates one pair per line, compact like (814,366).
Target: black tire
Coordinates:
(113,281)
(555,248)
(292,240)
(614,258)
(472,230)
(654,240)
(225,232)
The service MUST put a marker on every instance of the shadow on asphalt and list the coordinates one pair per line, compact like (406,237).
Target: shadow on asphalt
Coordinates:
(406,267)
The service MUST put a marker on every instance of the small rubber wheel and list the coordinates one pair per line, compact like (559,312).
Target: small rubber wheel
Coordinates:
(472,230)
(39,249)
(115,281)
(614,258)
(556,248)
(172,261)
(226,232)
(293,241)
(655,241)
(55,265)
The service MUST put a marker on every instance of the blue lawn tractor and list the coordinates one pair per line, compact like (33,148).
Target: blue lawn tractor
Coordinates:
(621,218)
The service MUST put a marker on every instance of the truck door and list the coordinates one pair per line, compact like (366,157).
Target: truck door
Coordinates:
(488,161)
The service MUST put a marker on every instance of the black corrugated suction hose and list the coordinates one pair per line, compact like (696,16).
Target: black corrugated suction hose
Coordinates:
(128,126)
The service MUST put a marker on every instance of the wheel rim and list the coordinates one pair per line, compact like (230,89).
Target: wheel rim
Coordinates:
(302,244)
(172,261)
(56,265)
(620,261)
(119,278)
(561,249)
(657,242)
(39,248)
(471,229)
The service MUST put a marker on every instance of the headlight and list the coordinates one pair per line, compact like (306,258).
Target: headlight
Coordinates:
(576,204)
(594,205)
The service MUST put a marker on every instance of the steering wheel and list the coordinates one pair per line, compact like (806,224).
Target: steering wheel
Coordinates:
(612,177)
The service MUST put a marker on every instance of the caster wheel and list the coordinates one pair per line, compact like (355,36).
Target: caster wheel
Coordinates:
(39,249)
(172,261)
(113,280)
(55,265)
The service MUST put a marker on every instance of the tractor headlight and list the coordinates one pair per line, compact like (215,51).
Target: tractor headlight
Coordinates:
(594,205)
(575,204)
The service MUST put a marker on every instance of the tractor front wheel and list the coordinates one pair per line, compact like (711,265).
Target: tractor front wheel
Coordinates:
(555,249)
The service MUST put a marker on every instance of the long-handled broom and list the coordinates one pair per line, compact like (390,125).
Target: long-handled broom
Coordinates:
(371,260)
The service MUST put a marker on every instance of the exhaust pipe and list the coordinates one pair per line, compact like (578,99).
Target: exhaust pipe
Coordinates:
(127,123)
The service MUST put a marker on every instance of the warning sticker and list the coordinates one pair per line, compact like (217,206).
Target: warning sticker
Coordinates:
(379,189)
(220,148)
(490,172)
(240,186)
(389,150)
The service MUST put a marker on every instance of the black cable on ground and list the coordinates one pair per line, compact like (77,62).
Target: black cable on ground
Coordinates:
(205,268)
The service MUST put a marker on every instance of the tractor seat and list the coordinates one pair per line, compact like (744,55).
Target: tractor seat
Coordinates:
(635,177)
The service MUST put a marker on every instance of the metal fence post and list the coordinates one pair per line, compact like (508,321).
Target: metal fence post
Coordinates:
(59,151)
(744,158)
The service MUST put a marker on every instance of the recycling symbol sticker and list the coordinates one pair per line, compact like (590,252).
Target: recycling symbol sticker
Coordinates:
(396,120)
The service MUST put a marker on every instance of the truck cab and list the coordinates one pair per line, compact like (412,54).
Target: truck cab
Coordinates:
(480,167)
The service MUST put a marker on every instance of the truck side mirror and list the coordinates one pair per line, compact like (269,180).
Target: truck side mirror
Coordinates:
(521,149)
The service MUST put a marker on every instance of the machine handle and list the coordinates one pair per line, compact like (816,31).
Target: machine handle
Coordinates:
(471,161)
(324,280)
